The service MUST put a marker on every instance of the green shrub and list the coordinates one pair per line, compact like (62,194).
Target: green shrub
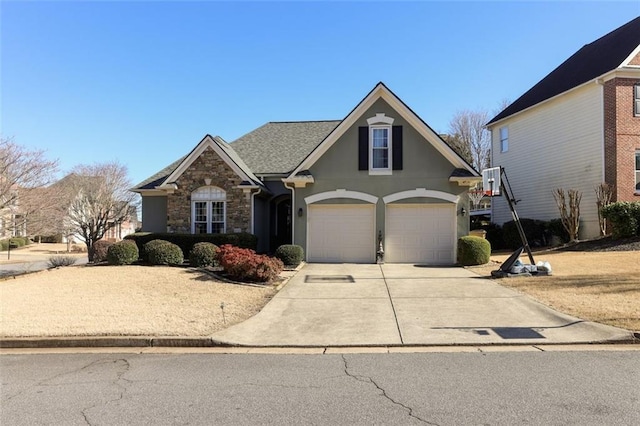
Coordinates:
(494,236)
(58,261)
(124,252)
(187,241)
(203,254)
(535,231)
(100,249)
(48,238)
(624,218)
(245,265)
(555,228)
(290,254)
(161,252)
(473,251)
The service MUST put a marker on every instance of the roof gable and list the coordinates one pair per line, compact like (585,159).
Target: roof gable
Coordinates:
(608,53)
(380,91)
(167,176)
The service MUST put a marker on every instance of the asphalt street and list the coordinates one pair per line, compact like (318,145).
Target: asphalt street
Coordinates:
(496,388)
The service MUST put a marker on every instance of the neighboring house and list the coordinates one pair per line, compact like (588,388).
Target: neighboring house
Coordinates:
(576,128)
(117,230)
(333,187)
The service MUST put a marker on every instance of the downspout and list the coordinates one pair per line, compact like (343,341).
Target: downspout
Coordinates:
(293,207)
(253,206)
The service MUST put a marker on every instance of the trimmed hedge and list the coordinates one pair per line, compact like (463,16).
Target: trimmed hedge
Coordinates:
(162,252)
(15,242)
(122,253)
(187,241)
(48,238)
(203,254)
(290,254)
(624,218)
(473,251)
(100,249)
(245,265)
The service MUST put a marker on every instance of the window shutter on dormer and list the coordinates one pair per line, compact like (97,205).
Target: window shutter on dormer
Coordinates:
(363,148)
(396,142)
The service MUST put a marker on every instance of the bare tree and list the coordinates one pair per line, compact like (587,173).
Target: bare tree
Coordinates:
(569,214)
(604,194)
(24,175)
(98,198)
(460,147)
(469,128)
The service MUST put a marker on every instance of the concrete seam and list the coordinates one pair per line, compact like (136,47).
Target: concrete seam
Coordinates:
(393,308)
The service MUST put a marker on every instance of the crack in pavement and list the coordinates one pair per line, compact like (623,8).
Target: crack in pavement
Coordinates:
(119,363)
(366,379)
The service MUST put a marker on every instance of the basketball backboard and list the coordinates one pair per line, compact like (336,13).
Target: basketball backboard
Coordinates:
(491,182)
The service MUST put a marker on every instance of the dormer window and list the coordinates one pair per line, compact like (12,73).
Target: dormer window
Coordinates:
(380,150)
(380,146)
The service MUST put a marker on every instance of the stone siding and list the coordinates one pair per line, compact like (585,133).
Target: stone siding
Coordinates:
(209,166)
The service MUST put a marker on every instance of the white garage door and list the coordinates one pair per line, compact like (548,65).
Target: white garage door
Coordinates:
(420,233)
(341,233)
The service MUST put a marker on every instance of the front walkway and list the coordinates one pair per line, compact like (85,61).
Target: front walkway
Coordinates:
(400,304)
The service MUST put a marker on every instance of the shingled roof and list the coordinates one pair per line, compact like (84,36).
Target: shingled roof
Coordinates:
(278,147)
(593,60)
(274,148)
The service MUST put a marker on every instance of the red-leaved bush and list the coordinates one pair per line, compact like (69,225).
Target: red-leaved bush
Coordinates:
(245,265)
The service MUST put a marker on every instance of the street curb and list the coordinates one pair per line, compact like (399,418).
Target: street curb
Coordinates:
(206,342)
(107,342)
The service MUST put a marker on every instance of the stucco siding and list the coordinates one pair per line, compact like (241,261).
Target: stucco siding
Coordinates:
(423,167)
(555,145)
(154,213)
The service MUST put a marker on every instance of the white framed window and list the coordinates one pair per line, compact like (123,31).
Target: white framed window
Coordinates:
(504,139)
(380,144)
(637,172)
(636,100)
(380,148)
(208,210)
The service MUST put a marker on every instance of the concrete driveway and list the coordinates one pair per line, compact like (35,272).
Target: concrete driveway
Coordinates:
(401,304)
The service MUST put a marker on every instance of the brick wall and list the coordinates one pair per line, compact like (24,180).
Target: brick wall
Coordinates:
(621,137)
(208,166)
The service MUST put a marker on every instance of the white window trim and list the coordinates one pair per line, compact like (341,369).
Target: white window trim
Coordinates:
(220,198)
(504,143)
(636,100)
(209,205)
(386,170)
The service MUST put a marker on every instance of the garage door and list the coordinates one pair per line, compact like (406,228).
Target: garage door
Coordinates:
(341,233)
(420,233)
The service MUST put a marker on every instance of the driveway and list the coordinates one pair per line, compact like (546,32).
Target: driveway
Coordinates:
(401,304)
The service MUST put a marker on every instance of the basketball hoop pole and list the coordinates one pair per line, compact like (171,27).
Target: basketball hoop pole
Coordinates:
(508,194)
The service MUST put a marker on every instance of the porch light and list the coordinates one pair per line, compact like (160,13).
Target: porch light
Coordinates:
(300,212)
(463,211)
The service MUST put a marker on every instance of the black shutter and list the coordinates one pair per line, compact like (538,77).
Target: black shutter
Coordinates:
(363,148)
(396,142)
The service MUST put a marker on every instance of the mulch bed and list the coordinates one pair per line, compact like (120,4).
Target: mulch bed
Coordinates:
(603,244)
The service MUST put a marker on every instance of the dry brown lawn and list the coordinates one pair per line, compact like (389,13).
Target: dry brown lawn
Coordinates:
(124,300)
(596,286)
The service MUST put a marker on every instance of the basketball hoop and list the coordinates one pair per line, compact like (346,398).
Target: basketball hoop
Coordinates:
(475,195)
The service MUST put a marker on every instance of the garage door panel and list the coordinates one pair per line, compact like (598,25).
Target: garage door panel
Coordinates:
(420,233)
(341,233)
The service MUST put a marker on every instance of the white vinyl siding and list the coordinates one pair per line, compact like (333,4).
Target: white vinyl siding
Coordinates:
(556,145)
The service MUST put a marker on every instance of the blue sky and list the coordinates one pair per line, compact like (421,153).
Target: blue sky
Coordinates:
(143,82)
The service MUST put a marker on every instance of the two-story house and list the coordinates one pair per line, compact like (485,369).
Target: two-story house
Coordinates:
(576,128)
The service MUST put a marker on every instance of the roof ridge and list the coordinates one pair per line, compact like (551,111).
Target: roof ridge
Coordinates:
(302,121)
